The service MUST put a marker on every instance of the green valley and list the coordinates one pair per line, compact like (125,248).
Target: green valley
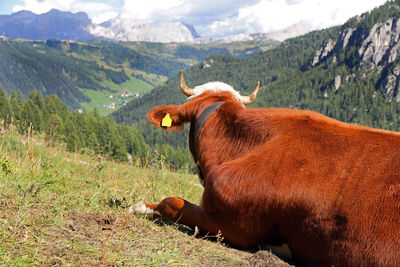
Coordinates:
(87,74)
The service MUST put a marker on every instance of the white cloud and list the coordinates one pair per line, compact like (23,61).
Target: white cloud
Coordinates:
(97,11)
(104,16)
(153,10)
(195,12)
(273,15)
(221,17)
(217,17)
(293,2)
(40,7)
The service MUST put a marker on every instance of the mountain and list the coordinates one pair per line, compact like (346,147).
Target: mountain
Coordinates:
(243,37)
(289,32)
(349,72)
(53,24)
(192,30)
(281,35)
(128,29)
(61,25)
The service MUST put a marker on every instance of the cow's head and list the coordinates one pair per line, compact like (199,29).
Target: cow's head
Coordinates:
(199,98)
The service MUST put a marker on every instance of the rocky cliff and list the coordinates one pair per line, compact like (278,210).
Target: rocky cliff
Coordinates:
(367,50)
(127,29)
(381,50)
(381,46)
(79,27)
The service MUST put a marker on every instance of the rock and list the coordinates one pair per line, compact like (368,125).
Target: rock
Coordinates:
(382,44)
(350,77)
(207,64)
(321,54)
(343,39)
(396,70)
(338,82)
(392,85)
(332,46)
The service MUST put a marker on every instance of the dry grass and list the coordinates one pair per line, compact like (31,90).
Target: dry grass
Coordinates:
(63,209)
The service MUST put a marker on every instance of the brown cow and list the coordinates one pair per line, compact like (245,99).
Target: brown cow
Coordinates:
(330,190)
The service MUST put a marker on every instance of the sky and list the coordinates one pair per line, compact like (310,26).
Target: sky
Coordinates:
(211,18)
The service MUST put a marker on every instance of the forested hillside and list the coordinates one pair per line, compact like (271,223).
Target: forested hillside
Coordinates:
(59,67)
(84,132)
(89,72)
(348,72)
(79,130)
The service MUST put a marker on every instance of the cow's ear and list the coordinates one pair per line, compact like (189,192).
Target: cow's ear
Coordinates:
(166,117)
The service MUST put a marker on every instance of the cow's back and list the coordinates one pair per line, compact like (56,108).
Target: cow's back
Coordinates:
(344,180)
(348,176)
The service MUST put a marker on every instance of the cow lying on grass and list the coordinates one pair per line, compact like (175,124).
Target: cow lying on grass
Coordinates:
(328,189)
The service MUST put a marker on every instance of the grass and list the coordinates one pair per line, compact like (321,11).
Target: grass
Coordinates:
(98,98)
(133,85)
(60,208)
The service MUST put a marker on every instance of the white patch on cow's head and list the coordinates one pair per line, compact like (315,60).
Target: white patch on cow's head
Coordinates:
(216,87)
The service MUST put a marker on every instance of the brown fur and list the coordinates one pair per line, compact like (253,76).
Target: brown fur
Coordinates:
(328,189)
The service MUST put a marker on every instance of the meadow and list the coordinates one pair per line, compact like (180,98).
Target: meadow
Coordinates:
(67,209)
(98,97)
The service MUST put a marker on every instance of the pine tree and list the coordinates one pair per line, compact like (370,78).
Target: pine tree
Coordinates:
(35,104)
(54,105)
(134,140)
(6,113)
(16,102)
(93,143)
(54,128)
(73,142)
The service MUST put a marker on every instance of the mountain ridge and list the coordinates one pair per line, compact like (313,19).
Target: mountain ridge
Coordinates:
(53,24)
(79,27)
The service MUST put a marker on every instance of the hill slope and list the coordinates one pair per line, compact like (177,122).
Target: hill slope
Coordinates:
(62,68)
(348,72)
(60,208)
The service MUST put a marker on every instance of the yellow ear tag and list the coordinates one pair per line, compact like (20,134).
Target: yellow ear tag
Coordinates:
(166,121)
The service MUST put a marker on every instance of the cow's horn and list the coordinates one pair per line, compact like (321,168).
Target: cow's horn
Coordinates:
(186,90)
(248,99)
